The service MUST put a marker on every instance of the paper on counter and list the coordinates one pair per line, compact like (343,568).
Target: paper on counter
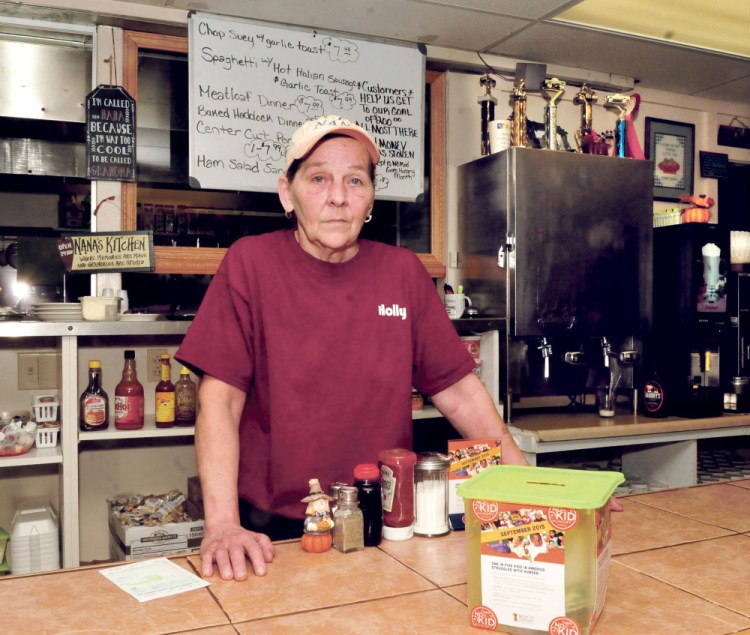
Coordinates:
(151,579)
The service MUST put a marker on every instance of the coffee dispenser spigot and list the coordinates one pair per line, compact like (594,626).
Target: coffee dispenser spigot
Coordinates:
(606,351)
(546,348)
(575,358)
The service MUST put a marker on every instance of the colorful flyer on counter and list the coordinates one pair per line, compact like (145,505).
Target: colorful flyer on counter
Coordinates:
(468,457)
(524,551)
(523,566)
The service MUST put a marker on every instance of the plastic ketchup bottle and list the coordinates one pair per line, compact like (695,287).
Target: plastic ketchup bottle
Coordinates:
(397,487)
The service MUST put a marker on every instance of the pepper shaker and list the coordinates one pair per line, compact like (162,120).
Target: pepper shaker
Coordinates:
(349,526)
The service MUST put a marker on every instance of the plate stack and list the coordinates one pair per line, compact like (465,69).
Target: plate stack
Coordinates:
(58,311)
(34,540)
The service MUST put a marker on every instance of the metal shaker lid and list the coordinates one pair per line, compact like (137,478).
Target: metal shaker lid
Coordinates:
(432,462)
(348,494)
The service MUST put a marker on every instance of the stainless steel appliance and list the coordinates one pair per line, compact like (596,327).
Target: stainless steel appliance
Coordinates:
(560,245)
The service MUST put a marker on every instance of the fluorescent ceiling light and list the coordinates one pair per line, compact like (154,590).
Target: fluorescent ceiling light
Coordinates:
(722,26)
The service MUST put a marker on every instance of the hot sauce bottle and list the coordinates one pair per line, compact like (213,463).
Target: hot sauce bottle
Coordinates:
(94,401)
(164,402)
(129,397)
(184,391)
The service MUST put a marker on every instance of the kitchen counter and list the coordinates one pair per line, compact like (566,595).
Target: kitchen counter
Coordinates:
(681,564)
(661,452)
(572,426)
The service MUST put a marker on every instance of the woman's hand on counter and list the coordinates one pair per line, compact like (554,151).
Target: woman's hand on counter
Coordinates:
(230,546)
(615,505)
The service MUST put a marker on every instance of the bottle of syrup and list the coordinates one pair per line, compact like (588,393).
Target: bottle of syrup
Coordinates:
(656,397)
(94,403)
(129,397)
(164,402)
(367,481)
(184,392)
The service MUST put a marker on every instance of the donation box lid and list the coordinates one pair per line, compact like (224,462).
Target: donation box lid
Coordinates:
(553,487)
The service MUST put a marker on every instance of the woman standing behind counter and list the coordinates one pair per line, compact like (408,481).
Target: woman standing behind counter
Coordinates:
(308,342)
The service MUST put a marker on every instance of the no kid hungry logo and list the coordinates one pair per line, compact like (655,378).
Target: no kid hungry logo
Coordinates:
(561,518)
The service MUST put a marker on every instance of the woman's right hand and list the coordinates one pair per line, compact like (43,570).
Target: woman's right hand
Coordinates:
(230,546)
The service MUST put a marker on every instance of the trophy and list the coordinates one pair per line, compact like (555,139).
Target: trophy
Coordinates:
(518,130)
(487,102)
(585,98)
(620,103)
(552,90)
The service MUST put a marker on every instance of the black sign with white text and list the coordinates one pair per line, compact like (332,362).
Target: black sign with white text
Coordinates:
(110,134)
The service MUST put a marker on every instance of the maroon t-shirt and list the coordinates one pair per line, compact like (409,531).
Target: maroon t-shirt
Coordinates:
(327,354)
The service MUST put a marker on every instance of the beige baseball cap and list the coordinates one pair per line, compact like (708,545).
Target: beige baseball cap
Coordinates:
(310,132)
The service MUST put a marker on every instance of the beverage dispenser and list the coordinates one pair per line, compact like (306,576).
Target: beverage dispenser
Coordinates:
(560,245)
(691,314)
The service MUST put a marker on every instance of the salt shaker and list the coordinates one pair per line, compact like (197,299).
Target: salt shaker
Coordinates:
(431,494)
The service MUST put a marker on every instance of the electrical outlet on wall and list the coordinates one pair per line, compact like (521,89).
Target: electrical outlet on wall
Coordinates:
(153,365)
(28,371)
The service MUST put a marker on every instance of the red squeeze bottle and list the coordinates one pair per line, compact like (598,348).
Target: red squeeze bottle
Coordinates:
(397,488)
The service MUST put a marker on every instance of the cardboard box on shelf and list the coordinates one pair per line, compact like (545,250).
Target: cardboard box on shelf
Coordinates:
(133,543)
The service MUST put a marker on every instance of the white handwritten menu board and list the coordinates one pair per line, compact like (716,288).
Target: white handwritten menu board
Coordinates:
(252,84)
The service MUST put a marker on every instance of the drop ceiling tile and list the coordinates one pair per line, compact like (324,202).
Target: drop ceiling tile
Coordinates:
(532,9)
(436,24)
(654,65)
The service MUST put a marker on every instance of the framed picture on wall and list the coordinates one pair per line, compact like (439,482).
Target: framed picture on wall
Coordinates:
(670,145)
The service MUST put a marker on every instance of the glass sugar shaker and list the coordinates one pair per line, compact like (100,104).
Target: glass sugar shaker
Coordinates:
(431,494)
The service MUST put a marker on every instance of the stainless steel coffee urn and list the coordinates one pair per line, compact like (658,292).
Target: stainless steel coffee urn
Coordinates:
(560,245)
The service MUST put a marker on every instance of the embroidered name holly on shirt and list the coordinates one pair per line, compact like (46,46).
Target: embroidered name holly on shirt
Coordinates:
(392,311)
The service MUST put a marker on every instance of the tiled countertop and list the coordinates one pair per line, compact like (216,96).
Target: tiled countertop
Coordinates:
(681,564)
(564,427)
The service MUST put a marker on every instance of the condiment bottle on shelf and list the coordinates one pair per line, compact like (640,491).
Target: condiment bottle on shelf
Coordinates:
(184,398)
(348,531)
(397,483)
(164,403)
(129,397)
(94,401)
(656,399)
(367,482)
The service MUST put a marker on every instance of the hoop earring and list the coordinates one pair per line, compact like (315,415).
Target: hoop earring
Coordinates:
(369,218)
(289,213)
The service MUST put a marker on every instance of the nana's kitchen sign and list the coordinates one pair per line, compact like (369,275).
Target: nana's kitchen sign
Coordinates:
(110,134)
(107,252)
